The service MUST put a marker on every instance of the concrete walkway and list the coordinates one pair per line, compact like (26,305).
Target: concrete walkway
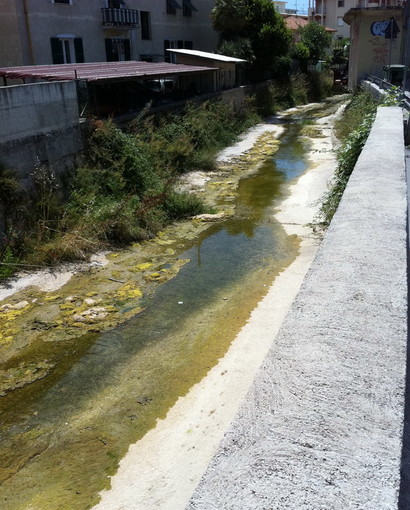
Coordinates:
(321,427)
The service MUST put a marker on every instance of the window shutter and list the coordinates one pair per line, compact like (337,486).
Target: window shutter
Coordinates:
(57,50)
(127,49)
(108,50)
(79,51)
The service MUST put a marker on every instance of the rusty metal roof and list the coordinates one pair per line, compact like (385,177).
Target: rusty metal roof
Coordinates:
(95,71)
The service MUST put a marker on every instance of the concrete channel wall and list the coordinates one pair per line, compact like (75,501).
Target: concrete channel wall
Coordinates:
(321,427)
(39,125)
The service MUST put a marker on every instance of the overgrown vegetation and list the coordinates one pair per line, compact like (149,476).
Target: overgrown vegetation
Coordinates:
(298,89)
(125,190)
(353,130)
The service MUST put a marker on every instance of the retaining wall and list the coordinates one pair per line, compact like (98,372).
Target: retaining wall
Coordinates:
(40,125)
(321,427)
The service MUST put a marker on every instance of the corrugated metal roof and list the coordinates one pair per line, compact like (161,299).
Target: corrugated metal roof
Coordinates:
(209,56)
(94,71)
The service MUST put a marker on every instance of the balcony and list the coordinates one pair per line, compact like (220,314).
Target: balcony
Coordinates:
(363,4)
(120,18)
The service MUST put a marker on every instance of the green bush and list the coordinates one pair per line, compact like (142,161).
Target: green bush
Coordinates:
(182,205)
(320,85)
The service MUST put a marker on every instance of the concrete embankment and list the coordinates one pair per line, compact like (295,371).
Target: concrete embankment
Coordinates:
(321,427)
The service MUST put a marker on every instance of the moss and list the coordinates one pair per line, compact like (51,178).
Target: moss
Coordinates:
(141,267)
(129,291)
(52,297)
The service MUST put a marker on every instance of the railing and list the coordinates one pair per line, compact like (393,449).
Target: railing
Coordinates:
(321,11)
(379,3)
(382,84)
(120,17)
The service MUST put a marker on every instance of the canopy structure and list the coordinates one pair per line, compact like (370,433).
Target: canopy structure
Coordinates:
(99,71)
(208,56)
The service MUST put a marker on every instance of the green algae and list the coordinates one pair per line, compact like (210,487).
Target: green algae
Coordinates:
(90,437)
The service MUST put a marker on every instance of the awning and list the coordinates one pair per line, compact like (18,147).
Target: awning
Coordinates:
(190,6)
(174,4)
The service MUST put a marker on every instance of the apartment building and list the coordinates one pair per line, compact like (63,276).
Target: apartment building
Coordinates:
(330,13)
(34,32)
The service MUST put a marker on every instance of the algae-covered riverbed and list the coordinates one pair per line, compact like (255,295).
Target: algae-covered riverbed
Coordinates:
(88,369)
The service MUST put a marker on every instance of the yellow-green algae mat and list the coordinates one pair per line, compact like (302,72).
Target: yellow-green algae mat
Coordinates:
(64,463)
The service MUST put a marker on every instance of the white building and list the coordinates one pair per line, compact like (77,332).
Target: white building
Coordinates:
(330,13)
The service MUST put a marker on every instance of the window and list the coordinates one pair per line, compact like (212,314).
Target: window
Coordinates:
(172,6)
(67,49)
(188,7)
(145,25)
(116,4)
(170,57)
(341,3)
(117,49)
(340,22)
(62,1)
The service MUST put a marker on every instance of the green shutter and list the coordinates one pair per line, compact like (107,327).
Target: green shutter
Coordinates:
(108,50)
(79,51)
(57,50)
(127,49)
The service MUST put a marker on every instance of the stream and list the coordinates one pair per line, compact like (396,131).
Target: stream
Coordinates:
(63,436)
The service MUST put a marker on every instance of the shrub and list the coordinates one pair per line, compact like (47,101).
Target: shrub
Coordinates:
(360,113)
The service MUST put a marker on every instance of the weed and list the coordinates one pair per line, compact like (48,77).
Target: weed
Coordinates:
(8,262)
(360,114)
(124,192)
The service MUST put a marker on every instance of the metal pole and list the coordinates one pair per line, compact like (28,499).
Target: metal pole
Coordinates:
(405,54)
(391,43)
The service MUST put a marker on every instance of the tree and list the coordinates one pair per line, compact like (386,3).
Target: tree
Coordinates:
(258,22)
(229,17)
(316,40)
(238,48)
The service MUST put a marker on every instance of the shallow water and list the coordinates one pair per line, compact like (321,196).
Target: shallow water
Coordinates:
(63,436)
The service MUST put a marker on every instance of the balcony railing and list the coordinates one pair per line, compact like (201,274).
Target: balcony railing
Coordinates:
(379,3)
(120,17)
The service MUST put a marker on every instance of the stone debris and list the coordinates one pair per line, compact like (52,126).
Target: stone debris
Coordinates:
(91,315)
(18,306)
(209,217)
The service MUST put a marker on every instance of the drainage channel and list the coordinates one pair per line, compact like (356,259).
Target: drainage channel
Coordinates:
(64,441)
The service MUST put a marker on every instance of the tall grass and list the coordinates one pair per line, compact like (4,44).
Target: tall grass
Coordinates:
(125,190)
(353,130)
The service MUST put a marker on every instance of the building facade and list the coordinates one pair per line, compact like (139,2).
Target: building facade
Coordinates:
(330,13)
(34,32)
(377,39)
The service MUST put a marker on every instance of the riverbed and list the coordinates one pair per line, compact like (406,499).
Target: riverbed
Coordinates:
(182,301)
